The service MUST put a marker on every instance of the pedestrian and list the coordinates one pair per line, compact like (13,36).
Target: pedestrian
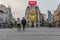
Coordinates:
(18,24)
(24,23)
(11,25)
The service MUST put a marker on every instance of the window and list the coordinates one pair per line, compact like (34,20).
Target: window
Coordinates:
(1,11)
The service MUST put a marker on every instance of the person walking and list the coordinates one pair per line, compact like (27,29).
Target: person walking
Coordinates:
(11,25)
(23,23)
(18,24)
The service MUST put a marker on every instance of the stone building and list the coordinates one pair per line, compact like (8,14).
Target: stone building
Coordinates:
(4,14)
(35,10)
(57,17)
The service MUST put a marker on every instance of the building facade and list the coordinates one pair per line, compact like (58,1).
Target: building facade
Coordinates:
(32,13)
(10,14)
(48,16)
(4,15)
(42,19)
(35,10)
(57,17)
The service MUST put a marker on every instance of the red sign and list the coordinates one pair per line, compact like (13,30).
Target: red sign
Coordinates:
(32,3)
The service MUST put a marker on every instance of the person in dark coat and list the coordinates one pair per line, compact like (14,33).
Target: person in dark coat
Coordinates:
(24,23)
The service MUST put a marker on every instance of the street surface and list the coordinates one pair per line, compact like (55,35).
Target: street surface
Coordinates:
(30,34)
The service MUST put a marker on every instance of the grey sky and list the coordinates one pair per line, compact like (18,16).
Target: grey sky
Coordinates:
(19,6)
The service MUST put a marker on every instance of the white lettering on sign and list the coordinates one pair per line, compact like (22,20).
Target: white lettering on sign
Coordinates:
(32,2)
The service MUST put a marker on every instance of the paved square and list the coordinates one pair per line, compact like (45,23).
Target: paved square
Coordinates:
(30,34)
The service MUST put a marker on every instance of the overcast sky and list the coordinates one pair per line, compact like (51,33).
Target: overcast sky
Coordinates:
(19,6)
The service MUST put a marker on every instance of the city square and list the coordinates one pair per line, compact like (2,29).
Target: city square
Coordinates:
(30,34)
(29,20)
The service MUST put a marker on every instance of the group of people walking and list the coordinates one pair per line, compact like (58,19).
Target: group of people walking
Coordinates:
(19,24)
